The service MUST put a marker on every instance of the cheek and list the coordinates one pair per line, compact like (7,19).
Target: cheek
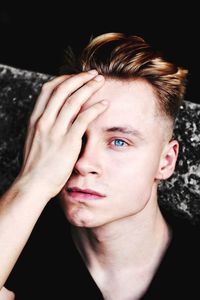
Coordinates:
(132,185)
(133,170)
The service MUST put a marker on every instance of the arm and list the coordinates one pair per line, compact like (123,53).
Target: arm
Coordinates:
(5,294)
(53,143)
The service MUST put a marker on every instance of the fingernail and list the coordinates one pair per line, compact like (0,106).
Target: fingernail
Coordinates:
(98,78)
(93,72)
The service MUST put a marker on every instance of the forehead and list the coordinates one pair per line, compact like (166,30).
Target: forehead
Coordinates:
(130,103)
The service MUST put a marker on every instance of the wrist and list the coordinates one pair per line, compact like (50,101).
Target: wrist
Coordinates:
(23,185)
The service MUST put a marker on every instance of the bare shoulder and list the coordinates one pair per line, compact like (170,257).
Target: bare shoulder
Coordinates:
(6,294)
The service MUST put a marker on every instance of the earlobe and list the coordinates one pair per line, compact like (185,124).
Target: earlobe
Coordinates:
(168,160)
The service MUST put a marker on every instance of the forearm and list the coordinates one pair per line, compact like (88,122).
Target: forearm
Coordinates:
(5,294)
(20,208)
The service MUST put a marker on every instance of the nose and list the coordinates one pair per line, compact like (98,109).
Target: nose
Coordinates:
(89,160)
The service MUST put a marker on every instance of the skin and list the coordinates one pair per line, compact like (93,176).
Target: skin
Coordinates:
(54,132)
(124,229)
(5,294)
(127,173)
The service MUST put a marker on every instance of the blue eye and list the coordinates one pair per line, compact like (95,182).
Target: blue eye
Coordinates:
(119,143)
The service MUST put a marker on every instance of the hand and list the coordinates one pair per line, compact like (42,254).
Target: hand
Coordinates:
(56,128)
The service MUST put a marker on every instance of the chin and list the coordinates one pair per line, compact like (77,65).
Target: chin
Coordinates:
(81,217)
(78,214)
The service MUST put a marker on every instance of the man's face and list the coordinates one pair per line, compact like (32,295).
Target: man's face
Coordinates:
(120,156)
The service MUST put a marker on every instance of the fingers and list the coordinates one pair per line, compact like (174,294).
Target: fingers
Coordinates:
(41,103)
(82,121)
(60,101)
(72,106)
(62,93)
(44,96)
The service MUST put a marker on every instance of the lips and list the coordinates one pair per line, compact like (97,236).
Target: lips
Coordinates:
(84,191)
(77,193)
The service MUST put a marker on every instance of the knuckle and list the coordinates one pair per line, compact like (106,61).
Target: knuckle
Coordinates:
(31,121)
(72,101)
(87,90)
(81,118)
(92,84)
(83,77)
(51,83)
(56,89)
(61,88)
(46,86)
(41,125)
(87,115)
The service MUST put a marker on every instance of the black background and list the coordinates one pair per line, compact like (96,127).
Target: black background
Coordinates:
(33,35)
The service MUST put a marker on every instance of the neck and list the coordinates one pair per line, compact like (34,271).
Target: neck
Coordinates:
(136,240)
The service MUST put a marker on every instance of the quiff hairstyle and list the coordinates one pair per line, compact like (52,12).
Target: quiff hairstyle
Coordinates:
(122,57)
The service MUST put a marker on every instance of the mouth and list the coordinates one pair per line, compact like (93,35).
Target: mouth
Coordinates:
(83,194)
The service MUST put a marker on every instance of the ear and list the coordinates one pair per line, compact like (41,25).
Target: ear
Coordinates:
(168,160)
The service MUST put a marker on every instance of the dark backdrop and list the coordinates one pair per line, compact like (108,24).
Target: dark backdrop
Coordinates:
(33,35)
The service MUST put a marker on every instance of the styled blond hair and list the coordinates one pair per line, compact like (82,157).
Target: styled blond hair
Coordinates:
(118,56)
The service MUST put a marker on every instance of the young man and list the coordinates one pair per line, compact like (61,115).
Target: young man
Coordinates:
(101,139)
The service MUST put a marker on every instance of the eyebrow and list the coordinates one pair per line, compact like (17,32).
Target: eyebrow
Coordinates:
(125,130)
